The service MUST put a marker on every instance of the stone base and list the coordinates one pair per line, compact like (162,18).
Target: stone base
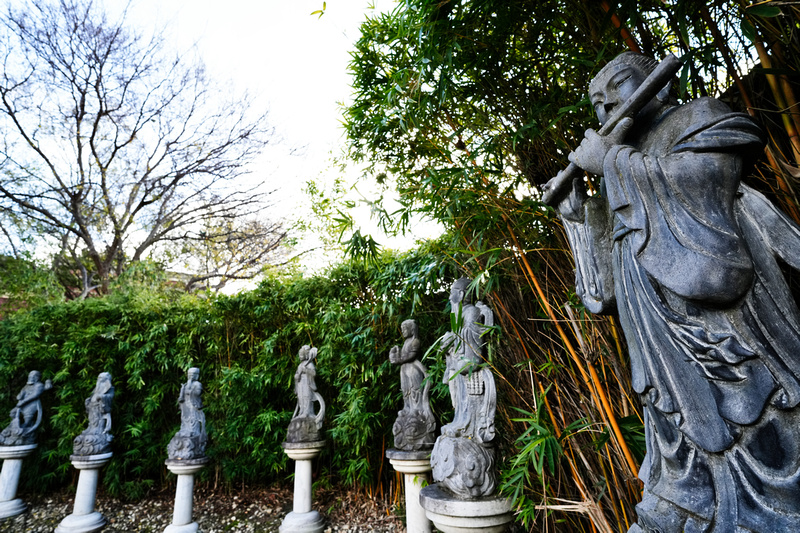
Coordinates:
(310,522)
(12,508)
(87,523)
(186,528)
(300,451)
(16,452)
(452,515)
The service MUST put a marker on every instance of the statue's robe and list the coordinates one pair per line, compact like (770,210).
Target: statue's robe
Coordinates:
(689,258)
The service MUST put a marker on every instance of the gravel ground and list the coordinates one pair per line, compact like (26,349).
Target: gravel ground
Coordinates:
(250,510)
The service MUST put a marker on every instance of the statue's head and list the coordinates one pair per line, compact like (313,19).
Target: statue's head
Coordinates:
(34,377)
(618,80)
(193,373)
(303,354)
(104,381)
(459,293)
(409,328)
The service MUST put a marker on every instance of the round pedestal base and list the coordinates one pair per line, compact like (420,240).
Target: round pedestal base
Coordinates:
(310,522)
(12,508)
(451,515)
(186,528)
(87,523)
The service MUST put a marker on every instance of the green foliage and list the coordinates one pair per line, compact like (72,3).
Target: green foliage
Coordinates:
(146,336)
(24,283)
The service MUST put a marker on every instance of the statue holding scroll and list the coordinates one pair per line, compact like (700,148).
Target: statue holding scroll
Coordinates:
(413,430)
(687,255)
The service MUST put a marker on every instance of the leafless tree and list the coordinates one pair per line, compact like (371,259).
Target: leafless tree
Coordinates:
(111,144)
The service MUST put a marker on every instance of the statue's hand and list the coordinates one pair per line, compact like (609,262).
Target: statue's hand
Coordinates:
(593,148)
(571,207)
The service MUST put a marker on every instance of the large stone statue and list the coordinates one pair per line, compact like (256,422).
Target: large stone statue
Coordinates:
(463,457)
(26,416)
(96,438)
(687,255)
(189,443)
(306,425)
(415,424)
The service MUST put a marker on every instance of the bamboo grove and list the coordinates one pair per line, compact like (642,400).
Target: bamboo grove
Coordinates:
(466,108)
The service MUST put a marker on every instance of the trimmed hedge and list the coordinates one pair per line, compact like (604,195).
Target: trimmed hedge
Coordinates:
(246,348)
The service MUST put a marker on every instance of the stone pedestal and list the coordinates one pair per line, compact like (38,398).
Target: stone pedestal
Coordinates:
(302,519)
(12,457)
(84,519)
(449,514)
(184,498)
(415,467)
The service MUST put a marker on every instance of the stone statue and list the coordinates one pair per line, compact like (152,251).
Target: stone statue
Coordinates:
(463,456)
(306,426)
(96,439)
(415,424)
(687,255)
(26,416)
(189,443)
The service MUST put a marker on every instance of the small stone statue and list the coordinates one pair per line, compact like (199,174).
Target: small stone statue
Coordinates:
(306,426)
(463,457)
(415,424)
(687,255)
(26,416)
(96,439)
(189,443)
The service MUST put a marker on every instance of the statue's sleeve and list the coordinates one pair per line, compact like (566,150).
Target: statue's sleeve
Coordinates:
(590,241)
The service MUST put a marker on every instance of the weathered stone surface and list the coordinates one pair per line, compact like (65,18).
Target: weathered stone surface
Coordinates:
(26,416)
(686,253)
(463,456)
(189,443)
(306,424)
(96,438)
(415,424)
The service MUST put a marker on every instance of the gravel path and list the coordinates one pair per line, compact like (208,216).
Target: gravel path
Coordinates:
(250,510)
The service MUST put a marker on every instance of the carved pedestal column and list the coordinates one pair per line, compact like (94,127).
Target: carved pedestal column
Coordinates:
(302,519)
(489,514)
(182,515)
(84,519)
(12,457)
(415,467)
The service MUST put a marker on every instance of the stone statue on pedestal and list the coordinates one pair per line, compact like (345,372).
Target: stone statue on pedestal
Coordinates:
(26,416)
(415,425)
(189,443)
(463,457)
(691,259)
(96,438)
(306,425)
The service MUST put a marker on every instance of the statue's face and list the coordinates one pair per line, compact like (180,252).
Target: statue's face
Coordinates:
(456,295)
(405,329)
(613,88)
(34,377)
(193,374)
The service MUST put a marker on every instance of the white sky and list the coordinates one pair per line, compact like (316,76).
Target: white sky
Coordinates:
(295,63)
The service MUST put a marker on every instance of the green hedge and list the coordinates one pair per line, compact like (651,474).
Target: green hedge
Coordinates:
(246,348)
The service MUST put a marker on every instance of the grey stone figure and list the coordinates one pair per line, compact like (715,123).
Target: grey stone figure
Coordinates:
(96,438)
(463,457)
(415,424)
(686,254)
(189,443)
(306,425)
(26,416)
